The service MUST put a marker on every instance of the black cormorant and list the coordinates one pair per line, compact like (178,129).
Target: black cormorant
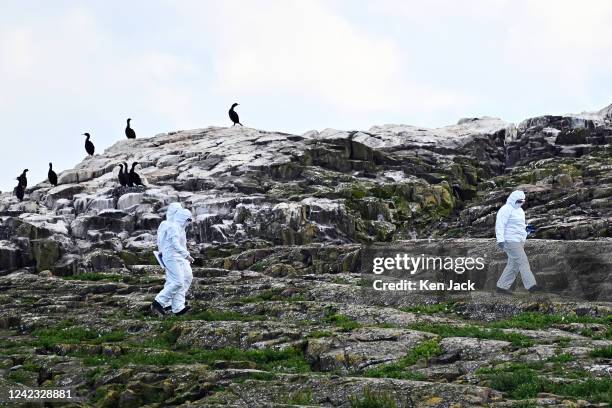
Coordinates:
(122,176)
(20,190)
(134,177)
(23,180)
(89,147)
(128,179)
(234,116)
(52,176)
(129,132)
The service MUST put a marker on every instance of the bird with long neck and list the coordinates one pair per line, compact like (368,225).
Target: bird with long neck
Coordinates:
(23,180)
(234,115)
(89,146)
(129,132)
(134,177)
(19,190)
(122,176)
(51,175)
(128,179)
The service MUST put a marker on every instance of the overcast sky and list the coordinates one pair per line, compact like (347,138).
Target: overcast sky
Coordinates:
(69,67)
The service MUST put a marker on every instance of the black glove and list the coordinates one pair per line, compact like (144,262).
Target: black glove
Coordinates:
(530,229)
(501,245)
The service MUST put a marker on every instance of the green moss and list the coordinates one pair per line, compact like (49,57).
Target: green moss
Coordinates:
(138,258)
(358,192)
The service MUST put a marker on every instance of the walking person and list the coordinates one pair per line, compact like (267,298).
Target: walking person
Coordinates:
(172,245)
(511,233)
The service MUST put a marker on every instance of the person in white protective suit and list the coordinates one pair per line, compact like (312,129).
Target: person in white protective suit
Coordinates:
(172,245)
(511,233)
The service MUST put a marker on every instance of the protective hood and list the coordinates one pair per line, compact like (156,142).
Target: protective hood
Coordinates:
(182,216)
(515,195)
(173,208)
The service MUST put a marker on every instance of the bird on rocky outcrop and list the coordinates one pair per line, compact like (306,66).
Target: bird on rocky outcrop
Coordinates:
(129,132)
(19,190)
(23,180)
(234,116)
(123,177)
(51,175)
(89,146)
(128,179)
(134,177)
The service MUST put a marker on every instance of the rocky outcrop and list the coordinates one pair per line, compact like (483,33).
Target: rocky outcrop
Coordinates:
(286,229)
(249,188)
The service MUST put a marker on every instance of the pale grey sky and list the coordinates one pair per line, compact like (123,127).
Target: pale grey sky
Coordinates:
(69,67)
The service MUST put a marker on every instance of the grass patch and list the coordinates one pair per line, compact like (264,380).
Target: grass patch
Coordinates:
(371,399)
(605,352)
(287,360)
(561,358)
(535,321)
(319,334)
(95,276)
(445,330)
(22,376)
(430,309)
(522,381)
(256,376)
(213,315)
(298,398)
(341,321)
(73,335)
(269,296)
(424,350)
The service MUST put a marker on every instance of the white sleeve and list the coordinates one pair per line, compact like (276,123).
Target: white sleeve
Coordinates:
(174,242)
(500,223)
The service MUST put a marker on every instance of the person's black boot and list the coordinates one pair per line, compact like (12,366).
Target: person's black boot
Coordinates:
(183,311)
(504,291)
(168,309)
(535,288)
(157,307)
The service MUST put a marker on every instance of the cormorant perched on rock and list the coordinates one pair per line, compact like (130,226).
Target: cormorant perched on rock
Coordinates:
(123,180)
(20,190)
(23,180)
(128,179)
(89,147)
(234,116)
(134,177)
(51,175)
(129,132)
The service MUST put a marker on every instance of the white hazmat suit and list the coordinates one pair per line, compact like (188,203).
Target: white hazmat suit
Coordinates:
(510,228)
(172,244)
